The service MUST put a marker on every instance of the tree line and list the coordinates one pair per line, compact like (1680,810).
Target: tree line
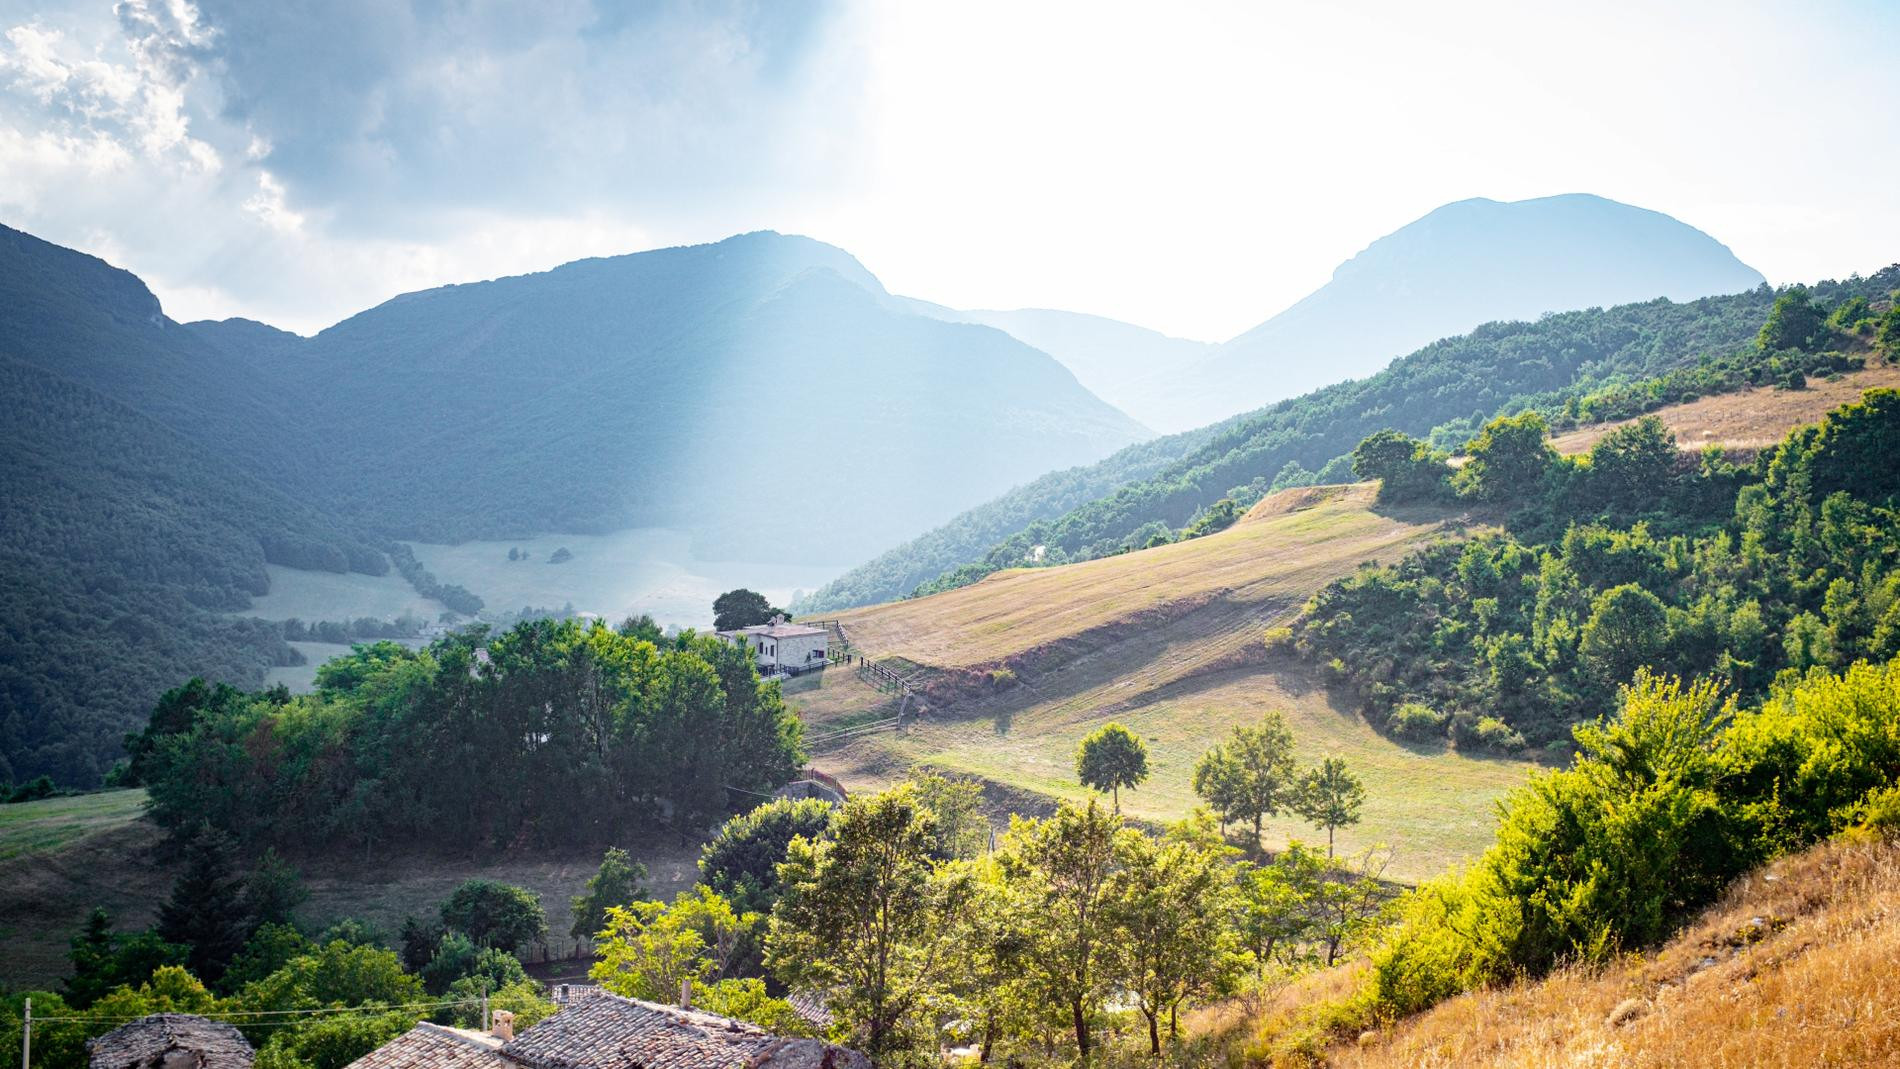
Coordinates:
(552,732)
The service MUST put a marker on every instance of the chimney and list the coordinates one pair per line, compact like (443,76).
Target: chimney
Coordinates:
(503,1026)
(686,993)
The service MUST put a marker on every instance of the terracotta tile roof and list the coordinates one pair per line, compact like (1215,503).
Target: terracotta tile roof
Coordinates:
(170,1041)
(431,1046)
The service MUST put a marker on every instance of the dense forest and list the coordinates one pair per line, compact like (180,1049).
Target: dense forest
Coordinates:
(1603,361)
(126,546)
(593,729)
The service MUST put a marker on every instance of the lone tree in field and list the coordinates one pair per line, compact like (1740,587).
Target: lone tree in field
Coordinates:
(1250,777)
(1110,758)
(1329,797)
(743,608)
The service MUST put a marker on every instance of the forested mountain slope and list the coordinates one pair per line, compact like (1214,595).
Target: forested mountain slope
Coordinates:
(760,393)
(124,543)
(1452,386)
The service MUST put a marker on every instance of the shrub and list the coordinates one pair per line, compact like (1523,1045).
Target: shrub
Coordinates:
(1416,721)
(1494,734)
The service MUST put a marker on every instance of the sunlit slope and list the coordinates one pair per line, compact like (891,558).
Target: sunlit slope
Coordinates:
(1288,546)
(1750,419)
(1796,967)
(1168,642)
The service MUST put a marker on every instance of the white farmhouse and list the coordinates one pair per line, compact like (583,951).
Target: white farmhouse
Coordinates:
(782,648)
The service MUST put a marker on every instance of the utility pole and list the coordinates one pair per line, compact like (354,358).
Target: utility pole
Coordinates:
(26,1038)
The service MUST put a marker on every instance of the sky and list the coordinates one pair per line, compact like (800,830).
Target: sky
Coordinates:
(1191,167)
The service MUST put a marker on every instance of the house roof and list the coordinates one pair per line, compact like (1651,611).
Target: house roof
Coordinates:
(777,630)
(431,1046)
(170,1041)
(610,1032)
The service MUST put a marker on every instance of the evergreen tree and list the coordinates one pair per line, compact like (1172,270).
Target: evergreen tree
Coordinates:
(206,910)
(274,890)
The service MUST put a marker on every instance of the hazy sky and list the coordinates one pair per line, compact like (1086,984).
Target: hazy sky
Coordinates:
(1190,167)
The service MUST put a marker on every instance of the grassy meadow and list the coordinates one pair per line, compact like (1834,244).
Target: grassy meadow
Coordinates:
(1166,641)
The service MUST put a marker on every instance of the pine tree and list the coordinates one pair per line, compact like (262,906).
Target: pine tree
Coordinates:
(206,909)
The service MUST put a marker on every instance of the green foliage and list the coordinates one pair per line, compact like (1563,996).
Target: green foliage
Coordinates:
(336,974)
(1111,757)
(1734,575)
(457,958)
(495,914)
(649,949)
(104,959)
(747,999)
(741,862)
(871,917)
(1251,776)
(273,891)
(1329,796)
(1174,900)
(1796,321)
(1664,805)
(1059,872)
(590,729)
(955,804)
(1413,720)
(331,1042)
(1508,460)
(1216,517)
(1406,469)
(742,608)
(617,883)
(1627,629)
(206,911)
(270,948)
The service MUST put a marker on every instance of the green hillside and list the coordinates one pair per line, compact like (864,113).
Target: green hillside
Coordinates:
(1451,386)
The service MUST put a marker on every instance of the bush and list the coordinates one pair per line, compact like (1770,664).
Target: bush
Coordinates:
(1490,733)
(1416,721)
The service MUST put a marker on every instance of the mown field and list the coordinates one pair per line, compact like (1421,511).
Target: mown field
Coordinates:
(1750,419)
(1168,642)
(60,857)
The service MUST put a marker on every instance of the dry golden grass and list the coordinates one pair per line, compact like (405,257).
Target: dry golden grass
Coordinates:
(1799,966)
(1287,547)
(1751,419)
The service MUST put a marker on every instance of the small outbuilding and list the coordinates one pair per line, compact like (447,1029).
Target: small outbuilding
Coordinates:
(171,1041)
